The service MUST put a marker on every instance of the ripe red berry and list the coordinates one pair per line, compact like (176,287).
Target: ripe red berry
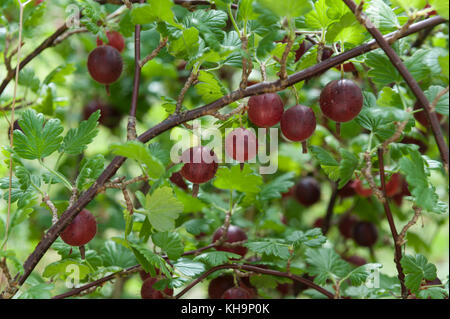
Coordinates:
(327,53)
(16,126)
(341,100)
(421,117)
(356,260)
(115,39)
(148,292)
(284,289)
(347,190)
(394,185)
(365,234)
(236,293)
(346,224)
(178,180)
(219,285)
(265,110)
(38,2)
(234,234)
(298,123)
(105,64)
(307,191)
(359,188)
(109,115)
(81,230)
(411,140)
(200,164)
(304,47)
(241,144)
(318,223)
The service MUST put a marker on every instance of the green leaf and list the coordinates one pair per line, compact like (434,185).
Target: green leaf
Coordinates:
(37,140)
(325,263)
(114,254)
(209,87)
(409,5)
(443,103)
(346,30)
(186,45)
(277,186)
(416,65)
(170,243)
(347,166)
(188,267)
(441,6)
(326,161)
(412,167)
(245,10)
(244,180)
(149,260)
(359,275)
(27,78)
(382,71)
(216,258)
(139,152)
(90,169)
(312,238)
(318,18)
(162,209)
(154,10)
(382,16)
(269,247)
(77,140)
(416,269)
(444,64)
(59,74)
(287,8)
(63,268)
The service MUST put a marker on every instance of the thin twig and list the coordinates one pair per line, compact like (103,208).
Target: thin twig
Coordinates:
(437,98)
(49,203)
(155,52)
(283,73)
(390,218)
(401,237)
(190,80)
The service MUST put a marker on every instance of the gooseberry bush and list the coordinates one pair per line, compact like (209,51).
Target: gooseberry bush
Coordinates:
(224,149)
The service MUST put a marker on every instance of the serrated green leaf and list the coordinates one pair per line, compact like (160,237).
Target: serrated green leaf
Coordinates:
(244,180)
(170,243)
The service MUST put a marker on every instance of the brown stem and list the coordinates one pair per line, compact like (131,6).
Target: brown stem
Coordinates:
(256,270)
(409,79)
(184,117)
(390,218)
(154,53)
(330,208)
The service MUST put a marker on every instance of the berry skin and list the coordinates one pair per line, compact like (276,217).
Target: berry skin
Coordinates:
(318,223)
(16,126)
(200,164)
(357,185)
(234,234)
(241,144)
(411,140)
(236,293)
(341,100)
(148,292)
(307,191)
(421,117)
(365,234)
(394,185)
(298,123)
(304,47)
(109,116)
(115,39)
(81,230)
(356,260)
(219,285)
(178,180)
(347,190)
(265,110)
(105,64)
(346,224)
